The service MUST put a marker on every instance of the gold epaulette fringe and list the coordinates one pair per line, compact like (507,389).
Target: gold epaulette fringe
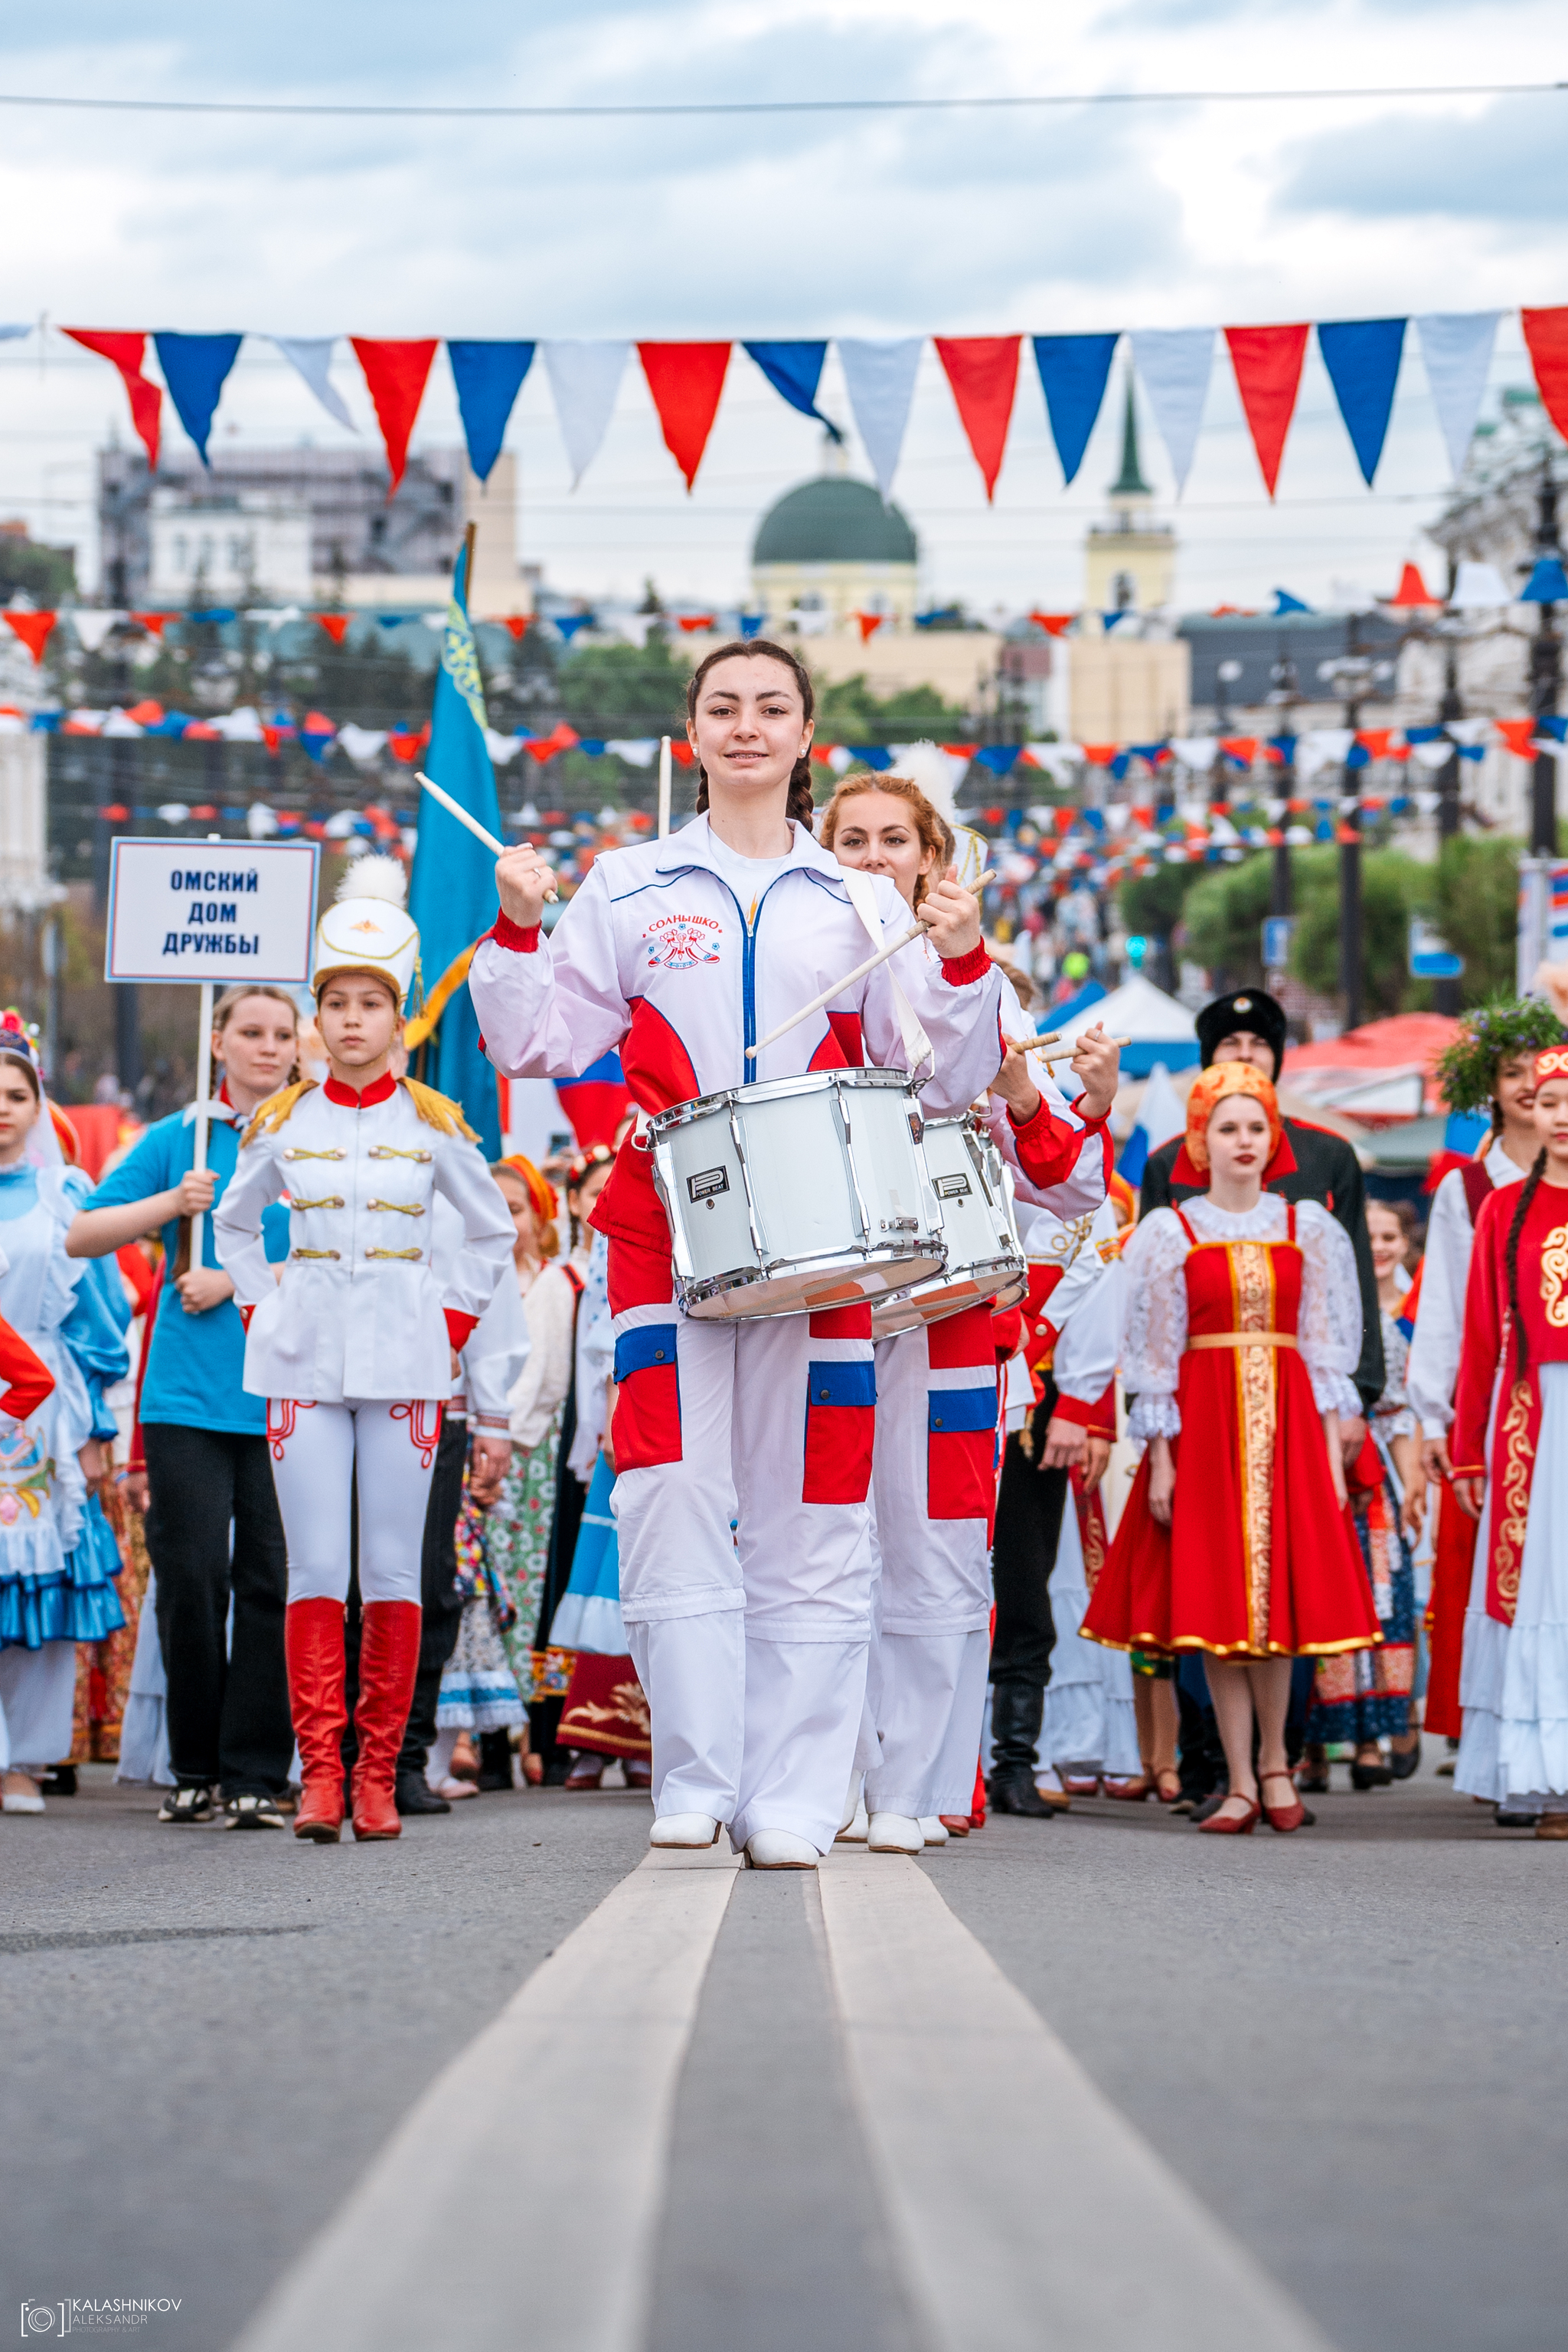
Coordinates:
(271,1113)
(438,1111)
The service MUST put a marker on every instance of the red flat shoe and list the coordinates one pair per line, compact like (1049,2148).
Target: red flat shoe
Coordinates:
(1284,1817)
(1130,1790)
(957,1824)
(1080,1784)
(1234,1824)
(1173,1794)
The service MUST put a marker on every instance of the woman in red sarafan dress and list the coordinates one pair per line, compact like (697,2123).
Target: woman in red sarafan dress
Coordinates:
(1244,1328)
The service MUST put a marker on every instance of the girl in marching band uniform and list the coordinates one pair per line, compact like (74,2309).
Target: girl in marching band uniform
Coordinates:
(681,954)
(354,1347)
(1244,1328)
(1510,1473)
(933,1478)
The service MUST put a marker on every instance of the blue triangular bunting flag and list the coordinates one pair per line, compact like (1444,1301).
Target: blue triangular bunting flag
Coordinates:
(194,369)
(489,377)
(795,370)
(1361,356)
(1073,372)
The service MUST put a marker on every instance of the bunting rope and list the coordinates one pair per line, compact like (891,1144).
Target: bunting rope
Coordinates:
(685,381)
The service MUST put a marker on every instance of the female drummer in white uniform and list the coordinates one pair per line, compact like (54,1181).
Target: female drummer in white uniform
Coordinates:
(679,954)
(356,1347)
(934,1478)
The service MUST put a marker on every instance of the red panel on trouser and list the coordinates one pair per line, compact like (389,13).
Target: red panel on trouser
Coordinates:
(638,1274)
(960,1473)
(839,1442)
(962,1343)
(841,1323)
(646,1430)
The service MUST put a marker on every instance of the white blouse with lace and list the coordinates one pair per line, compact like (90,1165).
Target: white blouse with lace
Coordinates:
(1328,1325)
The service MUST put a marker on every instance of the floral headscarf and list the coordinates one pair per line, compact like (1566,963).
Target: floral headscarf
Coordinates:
(1210,1089)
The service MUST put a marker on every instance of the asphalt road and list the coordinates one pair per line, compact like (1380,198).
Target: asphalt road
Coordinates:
(1349,2044)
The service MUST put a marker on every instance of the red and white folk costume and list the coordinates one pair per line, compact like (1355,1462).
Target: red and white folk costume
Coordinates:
(1242,1330)
(1431,1379)
(352,1349)
(1510,1427)
(751,1648)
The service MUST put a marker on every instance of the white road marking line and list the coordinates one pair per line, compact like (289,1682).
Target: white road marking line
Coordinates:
(565,2102)
(1028,2209)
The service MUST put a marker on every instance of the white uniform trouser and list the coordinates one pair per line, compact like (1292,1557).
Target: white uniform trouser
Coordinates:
(37,1706)
(750,1644)
(933,1488)
(316,1451)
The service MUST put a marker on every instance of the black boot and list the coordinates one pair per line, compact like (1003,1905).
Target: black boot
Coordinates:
(495,1760)
(1016,1712)
(412,1793)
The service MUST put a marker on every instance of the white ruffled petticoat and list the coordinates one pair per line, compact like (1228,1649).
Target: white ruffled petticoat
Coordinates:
(1089,1713)
(1514,1680)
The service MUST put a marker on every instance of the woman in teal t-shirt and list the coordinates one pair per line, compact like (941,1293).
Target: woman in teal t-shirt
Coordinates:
(205,1439)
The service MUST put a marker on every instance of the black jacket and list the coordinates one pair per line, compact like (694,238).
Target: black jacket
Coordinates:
(1327,1170)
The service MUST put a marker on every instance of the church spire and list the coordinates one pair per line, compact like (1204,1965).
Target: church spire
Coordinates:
(1129,484)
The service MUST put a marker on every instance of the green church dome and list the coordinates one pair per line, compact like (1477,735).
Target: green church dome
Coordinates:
(834,521)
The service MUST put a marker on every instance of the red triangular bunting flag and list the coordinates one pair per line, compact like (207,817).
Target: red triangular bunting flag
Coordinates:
(336,624)
(691,621)
(33,628)
(1546,334)
(1055,624)
(518,623)
(1100,755)
(869,625)
(686,380)
(681,753)
(1267,363)
(126,353)
(153,623)
(1518,734)
(1240,747)
(983,372)
(1375,740)
(395,374)
(1412,589)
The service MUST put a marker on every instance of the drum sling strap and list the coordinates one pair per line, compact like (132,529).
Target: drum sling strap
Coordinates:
(862,894)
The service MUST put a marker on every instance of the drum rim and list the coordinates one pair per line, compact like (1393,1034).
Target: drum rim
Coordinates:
(873,1077)
(996,1302)
(698,1290)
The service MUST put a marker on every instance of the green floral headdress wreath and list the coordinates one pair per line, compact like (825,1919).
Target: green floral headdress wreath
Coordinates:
(1493,1034)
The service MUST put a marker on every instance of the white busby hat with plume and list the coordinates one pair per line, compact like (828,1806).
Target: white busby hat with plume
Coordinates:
(369,928)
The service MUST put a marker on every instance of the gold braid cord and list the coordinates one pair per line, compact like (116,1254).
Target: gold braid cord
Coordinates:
(438,1111)
(276,1110)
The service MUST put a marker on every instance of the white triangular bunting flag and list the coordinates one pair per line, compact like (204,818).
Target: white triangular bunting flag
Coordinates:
(312,356)
(880,380)
(1173,365)
(584,379)
(1456,347)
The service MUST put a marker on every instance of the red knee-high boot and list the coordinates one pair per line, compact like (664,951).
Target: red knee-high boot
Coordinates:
(313,1647)
(388,1661)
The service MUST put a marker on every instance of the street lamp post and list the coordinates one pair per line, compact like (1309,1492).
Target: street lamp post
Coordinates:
(1355,674)
(1545,676)
(1284,694)
(1445,993)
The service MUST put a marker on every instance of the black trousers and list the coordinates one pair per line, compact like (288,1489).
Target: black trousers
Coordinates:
(228,1709)
(1029,1505)
(440,1600)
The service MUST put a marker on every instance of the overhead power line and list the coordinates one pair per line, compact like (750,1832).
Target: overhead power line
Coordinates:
(729,107)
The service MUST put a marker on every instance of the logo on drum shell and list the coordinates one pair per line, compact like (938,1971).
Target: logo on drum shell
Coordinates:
(680,942)
(706,1182)
(952,1188)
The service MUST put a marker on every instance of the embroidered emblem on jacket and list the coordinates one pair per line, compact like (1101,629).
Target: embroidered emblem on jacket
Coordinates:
(678,942)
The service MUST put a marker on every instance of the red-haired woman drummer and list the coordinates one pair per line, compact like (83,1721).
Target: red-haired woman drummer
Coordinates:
(934,1481)
(679,954)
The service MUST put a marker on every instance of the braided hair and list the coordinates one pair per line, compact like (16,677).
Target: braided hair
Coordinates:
(1527,1192)
(800,805)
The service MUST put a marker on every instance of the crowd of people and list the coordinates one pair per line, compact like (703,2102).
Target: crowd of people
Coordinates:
(429,1481)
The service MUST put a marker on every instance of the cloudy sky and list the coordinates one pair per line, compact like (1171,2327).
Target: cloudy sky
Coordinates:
(1095,217)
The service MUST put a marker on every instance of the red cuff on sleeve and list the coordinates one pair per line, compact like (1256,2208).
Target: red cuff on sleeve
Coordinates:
(244,1315)
(1080,1410)
(959,970)
(508,934)
(460,1328)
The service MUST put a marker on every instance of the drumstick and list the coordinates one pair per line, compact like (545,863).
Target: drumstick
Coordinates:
(453,808)
(839,986)
(1068,1051)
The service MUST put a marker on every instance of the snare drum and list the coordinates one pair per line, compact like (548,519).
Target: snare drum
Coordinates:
(985,1260)
(797,1195)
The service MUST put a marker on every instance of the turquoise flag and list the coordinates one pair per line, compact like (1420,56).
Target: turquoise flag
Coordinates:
(452,894)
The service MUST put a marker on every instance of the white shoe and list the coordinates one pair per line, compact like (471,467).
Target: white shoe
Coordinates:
(855,1828)
(780,1850)
(893,1833)
(684,1828)
(931,1829)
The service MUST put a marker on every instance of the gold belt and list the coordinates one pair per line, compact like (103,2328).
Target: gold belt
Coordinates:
(1243,1339)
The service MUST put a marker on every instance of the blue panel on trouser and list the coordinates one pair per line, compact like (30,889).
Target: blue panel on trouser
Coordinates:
(837,1383)
(643,1347)
(960,1408)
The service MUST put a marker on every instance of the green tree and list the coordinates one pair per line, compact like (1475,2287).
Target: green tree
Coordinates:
(1224,916)
(1152,903)
(1393,888)
(626,689)
(47,574)
(849,712)
(1477,908)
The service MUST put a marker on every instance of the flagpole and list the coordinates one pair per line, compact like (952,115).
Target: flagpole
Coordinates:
(664,766)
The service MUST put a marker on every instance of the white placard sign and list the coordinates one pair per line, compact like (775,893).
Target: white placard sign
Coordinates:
(214,911)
